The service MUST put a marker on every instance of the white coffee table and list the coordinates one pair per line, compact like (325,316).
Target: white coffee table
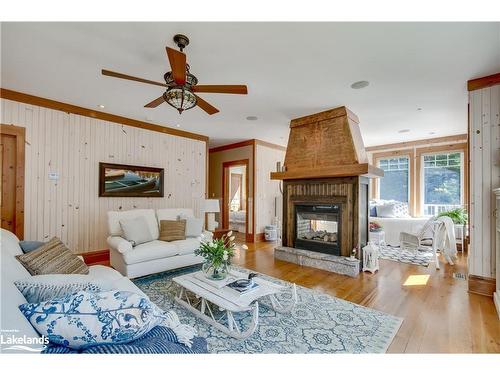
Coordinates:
(229,300)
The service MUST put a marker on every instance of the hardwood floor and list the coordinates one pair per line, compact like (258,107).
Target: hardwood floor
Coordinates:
(439,317)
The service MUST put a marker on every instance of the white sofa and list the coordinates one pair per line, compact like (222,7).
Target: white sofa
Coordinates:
(12,321)
(155,256)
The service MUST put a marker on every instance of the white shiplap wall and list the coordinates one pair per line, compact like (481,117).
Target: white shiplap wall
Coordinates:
(73,146)
(266,190)
(484,177)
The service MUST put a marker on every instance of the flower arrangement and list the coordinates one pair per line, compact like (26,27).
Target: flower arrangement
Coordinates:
(218,254)
(375,227)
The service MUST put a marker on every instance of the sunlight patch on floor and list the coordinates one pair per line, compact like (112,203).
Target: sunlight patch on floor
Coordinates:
(413,280)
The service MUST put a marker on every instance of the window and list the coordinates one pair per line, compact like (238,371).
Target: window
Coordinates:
(394,184)
(442,182)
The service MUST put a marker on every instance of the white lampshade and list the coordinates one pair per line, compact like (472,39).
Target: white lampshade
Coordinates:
(211,205)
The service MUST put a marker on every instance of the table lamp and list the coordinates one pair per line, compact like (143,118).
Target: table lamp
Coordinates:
(211,206)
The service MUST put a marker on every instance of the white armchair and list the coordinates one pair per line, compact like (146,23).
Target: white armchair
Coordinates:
(432,235)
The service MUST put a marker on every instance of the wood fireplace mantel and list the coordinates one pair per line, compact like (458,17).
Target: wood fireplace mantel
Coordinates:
(324,145)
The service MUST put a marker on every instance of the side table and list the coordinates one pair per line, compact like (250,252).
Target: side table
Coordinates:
(378,238)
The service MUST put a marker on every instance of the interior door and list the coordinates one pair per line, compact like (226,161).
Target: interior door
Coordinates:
(12,140)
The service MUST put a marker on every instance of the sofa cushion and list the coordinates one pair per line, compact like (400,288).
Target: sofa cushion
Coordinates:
(173,213)
(187,246)
(172,230)
(53,257)
(27,246)
(149,251)
(136,230)
(114,218)
(194,226)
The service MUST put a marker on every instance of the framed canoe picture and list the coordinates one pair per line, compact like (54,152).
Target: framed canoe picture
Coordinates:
(119,180)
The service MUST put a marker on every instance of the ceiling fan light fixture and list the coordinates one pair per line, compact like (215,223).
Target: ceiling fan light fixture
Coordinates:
(180,98)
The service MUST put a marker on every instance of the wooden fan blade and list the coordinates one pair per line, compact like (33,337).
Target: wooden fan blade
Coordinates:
(210,109)
(178,64)
(131,78)
(221,89)
(155,103)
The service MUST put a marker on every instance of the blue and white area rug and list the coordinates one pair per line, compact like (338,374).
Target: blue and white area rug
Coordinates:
(317,324)
(420,258)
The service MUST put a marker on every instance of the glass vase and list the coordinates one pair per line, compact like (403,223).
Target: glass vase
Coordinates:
(214,271)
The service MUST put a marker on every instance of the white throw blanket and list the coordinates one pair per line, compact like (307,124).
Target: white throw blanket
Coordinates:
(184,332)
(450,245)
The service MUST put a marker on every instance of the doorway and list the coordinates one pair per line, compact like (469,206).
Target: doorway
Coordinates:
(12,140)
(235,197)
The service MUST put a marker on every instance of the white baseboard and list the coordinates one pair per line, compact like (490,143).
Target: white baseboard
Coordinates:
(496,298)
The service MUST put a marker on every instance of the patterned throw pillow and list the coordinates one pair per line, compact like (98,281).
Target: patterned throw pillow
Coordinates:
(46,287)
(401,209)
(52,257)
(172,230)
(85,319)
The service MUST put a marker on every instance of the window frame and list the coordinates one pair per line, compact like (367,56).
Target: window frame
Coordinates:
(444,149)
(408,153)
(422,175)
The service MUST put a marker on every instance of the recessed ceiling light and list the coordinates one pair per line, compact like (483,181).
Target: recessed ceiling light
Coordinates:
(252,118)
(178,125)
(149,119)
(359,85)
(404,131)
(101,105)
(432,133)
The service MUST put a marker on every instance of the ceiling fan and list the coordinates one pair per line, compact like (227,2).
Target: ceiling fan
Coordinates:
(180,84)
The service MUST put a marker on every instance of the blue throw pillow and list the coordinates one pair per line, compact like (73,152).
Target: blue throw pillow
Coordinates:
(85,319)
(373,211)
(27,246)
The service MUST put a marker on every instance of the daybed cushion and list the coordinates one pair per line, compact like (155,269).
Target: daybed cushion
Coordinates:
(392,227)
(114,218)
(149,251)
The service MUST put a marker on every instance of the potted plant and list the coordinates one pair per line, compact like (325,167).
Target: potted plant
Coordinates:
(458,215)
(375,227)
(218,254)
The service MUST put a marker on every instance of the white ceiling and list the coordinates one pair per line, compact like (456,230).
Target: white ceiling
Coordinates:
(291,69)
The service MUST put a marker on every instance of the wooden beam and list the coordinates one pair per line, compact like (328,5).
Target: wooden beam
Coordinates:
(337,171)
(483,82)
(70,108)
(420,142)
(249,142)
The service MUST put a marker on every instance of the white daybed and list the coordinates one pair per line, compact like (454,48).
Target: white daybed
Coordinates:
(393,226)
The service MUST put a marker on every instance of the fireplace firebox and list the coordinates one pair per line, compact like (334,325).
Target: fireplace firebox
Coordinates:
(317,228)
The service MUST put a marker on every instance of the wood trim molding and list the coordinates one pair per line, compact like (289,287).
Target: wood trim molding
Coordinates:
(95,257)
(225,189)
(70,108)
(249,142)
(270,145)
(483,82)
(20,134)
(421,142)
(254,184)
(484,286)
(412,169)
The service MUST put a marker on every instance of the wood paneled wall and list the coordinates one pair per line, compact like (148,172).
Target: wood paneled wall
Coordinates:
(72,146)
(267,190)
(484,132)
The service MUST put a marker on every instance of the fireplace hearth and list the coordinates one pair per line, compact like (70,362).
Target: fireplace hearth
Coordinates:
(317,228)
